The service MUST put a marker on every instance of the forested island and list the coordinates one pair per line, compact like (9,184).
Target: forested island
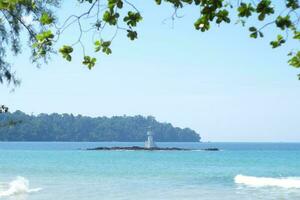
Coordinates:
(67,127)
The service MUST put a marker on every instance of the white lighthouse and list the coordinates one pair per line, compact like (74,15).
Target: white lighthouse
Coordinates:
(150,142)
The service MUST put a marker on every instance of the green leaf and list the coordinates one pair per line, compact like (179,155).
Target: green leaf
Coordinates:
(245,10)
(295,60)
(110,17)
(222,16)
(89,62)
(261,34)
(113,3)
(46,35)
(253,35)
(98,45)
(104,46)
(264,8)
(132,34)
(283,22)
(66,51)
(293,4)
(255,32)
(132,18)
(296,35)
(46,19)
(202,24)
(158,2)
(252,29)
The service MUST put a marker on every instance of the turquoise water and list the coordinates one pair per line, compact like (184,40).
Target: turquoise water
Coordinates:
(50,171)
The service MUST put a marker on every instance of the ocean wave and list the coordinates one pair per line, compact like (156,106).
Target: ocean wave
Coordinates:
(17,187)
(287,182)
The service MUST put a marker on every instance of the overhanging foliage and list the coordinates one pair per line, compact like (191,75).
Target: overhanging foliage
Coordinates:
(122,15)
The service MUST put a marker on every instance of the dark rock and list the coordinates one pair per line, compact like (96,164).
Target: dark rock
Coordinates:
(138,148)
(211,149)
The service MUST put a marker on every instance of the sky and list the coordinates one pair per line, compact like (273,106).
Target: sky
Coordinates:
(221,83)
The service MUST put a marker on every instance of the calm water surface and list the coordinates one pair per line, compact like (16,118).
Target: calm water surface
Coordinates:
(55,170)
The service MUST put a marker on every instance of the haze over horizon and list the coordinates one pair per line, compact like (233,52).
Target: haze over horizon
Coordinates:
(222,84)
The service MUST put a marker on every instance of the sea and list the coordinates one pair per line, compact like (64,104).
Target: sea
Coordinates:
(66,171)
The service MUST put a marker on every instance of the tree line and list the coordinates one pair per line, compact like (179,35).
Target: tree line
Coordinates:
(67,127)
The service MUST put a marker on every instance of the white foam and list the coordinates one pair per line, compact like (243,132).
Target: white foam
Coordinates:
(17,187)
(288,182)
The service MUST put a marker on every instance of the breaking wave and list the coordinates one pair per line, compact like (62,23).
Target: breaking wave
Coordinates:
(253,181)
(18,186)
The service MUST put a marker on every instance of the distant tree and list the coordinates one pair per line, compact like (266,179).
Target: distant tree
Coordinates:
(123,15)
(7,122)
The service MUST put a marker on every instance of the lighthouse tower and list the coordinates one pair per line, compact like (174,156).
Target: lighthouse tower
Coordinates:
(150,142)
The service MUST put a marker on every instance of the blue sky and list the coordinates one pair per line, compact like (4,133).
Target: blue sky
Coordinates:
(222,84)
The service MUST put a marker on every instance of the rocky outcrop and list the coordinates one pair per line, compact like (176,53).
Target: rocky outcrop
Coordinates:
(138,148)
